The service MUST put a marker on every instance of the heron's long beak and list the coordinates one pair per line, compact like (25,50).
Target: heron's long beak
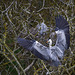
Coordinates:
(47,42)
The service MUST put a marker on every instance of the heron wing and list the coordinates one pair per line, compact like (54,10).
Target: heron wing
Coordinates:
(62,24)
(63,36)
(35,47)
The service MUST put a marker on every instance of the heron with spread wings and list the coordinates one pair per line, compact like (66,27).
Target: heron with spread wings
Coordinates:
(51,54)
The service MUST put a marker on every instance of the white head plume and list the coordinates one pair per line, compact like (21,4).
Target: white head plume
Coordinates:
(50,42)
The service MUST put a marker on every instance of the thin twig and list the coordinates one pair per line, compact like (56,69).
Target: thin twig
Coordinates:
(12,63)
(8,7)
(11,52)
(28,67)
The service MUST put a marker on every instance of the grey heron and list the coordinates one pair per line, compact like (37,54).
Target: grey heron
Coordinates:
(51,54)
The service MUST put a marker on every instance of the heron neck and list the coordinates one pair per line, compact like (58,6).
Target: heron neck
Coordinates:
(50,45)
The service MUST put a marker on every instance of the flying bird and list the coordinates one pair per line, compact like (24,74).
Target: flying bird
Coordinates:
(51,54)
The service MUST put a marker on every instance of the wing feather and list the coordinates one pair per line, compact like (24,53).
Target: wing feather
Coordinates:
(35,47)
(63,36)
(62,24)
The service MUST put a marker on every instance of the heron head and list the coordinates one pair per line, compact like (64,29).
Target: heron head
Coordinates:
(50,42)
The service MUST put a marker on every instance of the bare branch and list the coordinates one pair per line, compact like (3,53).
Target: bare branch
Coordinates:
(29,66)
(8,7)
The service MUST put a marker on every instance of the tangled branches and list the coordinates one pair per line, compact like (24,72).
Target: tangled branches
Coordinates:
(20,18)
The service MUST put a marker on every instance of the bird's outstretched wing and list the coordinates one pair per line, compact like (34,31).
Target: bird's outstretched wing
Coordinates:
(62,24)
(63,36)
(35,47)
